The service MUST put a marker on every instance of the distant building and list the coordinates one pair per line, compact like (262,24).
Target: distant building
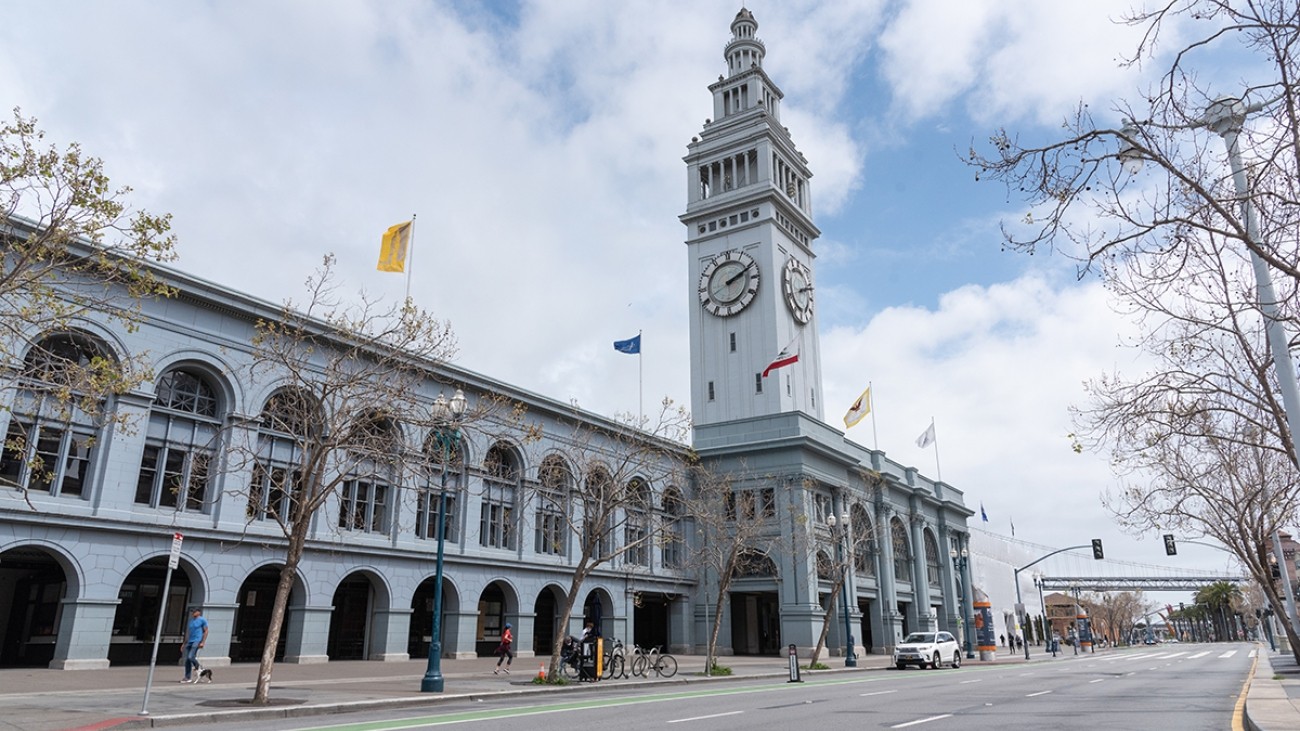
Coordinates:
(82,568)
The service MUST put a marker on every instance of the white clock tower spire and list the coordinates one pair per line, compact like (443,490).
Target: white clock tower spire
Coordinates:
(749,234)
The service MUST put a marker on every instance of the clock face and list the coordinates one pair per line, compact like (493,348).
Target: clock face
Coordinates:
(796,285)
(728,283)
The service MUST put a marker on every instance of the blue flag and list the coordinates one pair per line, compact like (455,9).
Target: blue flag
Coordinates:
(631,346)
(983,515)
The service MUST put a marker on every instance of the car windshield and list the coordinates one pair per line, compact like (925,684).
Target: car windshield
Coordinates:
(920,637)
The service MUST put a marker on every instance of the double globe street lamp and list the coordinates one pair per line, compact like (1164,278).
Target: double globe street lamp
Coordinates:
(447,416)
(960,559)
(841,536)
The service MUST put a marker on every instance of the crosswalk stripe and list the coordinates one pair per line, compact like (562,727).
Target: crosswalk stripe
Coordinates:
(1229,653)
(1199,654)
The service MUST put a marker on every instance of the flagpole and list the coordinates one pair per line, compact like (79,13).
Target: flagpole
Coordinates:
(938,472)
(640,385)
(871,396)
(410,256)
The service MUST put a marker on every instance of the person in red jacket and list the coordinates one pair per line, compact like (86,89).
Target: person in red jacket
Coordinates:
(505,651)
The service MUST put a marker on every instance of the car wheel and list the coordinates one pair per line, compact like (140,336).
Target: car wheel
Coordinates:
(956,660)
(900,665)
(937,662)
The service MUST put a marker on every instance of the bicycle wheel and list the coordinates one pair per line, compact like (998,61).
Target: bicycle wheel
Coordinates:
(569,668)
(639,665)
(666,666)
(614,667)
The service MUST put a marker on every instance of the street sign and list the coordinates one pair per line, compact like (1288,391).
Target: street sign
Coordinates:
(1171,548)
(175,558)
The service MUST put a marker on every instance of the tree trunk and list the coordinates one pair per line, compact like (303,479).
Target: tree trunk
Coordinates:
(297,541)
(562,627)
(826,624)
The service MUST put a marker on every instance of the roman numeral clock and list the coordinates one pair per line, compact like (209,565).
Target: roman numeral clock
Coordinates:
(728,283)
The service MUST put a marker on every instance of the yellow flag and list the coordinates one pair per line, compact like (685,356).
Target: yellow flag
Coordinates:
(859,409)
(392,252)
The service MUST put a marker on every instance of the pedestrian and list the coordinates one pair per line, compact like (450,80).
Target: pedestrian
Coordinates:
(504,651)
(196,636)
(588,631)
(1002,639)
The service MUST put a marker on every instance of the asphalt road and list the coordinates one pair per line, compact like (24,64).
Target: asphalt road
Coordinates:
(1170,687)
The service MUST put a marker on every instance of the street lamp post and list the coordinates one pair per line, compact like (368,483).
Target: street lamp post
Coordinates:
(1226,117)
(1042,604)
(841,535)
(959,561)
(447,414)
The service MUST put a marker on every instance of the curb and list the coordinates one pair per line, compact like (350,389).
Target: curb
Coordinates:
(321,709)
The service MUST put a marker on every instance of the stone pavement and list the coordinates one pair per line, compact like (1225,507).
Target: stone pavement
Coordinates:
(59,700)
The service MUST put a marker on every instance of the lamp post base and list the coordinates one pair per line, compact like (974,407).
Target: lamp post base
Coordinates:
(431,683)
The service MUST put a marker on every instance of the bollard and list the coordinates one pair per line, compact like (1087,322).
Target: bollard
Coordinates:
(794,665)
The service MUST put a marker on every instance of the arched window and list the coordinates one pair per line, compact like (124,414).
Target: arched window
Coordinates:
(636,527)
(755,565)
(902,550)
(599,499)
(288,423)
(500,481)
(864,548)
(825,567)
(181,442)
(556,484)
(50,444)
(445,454)
(931,559)
(674,540)
(365,500)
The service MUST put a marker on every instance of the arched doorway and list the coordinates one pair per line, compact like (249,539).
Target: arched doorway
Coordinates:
(546,613)
(355,601)
(495,607)
(598,608)
(420,634)
(136,620)
(29,621)
(755,609)
(253,615)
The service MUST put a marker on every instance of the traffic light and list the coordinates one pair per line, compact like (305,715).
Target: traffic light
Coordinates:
(1171,549)
(1096,549)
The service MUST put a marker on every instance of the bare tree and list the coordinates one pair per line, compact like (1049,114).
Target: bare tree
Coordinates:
(598,497)
(734,514)
(351,381)
(68,250)
(839,557)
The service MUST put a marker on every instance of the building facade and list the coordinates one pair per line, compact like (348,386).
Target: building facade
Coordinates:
(89,507)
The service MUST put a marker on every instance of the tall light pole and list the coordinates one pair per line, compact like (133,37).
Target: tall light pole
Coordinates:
(959,561)
(447,414)
(841,535)
(1226,117)
(1042,605)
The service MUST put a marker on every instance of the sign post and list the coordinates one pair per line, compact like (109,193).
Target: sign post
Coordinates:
(794,665)
(173,560)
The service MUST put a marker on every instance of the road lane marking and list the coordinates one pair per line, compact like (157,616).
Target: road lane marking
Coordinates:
(978,680)
(1199,654)
(1252,654)
(922,720)
(1098,680)
(701,718)
(879,692)
(1041,692)
(1229,653)
(1173,655)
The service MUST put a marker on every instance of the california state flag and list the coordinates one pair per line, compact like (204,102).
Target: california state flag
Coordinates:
(859,409)
(783,359)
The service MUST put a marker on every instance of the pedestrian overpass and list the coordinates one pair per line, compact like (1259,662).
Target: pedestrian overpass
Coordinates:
(1134,583)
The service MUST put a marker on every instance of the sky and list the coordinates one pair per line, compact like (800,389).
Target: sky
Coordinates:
(540,146)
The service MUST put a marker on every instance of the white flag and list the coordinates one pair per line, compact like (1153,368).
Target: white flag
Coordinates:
(927,437)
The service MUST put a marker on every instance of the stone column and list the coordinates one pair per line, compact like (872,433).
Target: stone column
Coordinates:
(85,628)
(891,627)
(920,577)
(390,633)
(221,626)
(308,635)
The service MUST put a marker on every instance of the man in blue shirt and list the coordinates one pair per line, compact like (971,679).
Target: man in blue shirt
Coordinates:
(196,635)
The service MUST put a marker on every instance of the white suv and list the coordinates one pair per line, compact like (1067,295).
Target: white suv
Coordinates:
(932,648)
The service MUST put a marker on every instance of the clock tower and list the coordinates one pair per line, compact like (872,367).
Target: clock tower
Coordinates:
(749,236)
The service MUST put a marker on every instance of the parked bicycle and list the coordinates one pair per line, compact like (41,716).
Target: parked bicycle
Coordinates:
(646,661)
(615,661)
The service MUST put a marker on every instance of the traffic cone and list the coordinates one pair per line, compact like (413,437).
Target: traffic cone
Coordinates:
(541,672)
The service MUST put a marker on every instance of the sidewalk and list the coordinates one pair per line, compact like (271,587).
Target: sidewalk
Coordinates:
(58,700)
(1273,702)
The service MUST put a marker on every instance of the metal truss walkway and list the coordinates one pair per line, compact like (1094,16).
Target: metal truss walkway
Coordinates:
(1132,583)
